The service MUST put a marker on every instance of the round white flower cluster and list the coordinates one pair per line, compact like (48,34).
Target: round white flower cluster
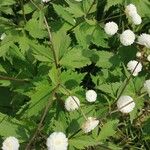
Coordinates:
(127,37)
(57,141)
(111,28)
(45,1)
(125,104)
(132,13)
(90,124)
(91,96)
(72,103)
(147,86)
(144,39)
(135,67)
(10,143)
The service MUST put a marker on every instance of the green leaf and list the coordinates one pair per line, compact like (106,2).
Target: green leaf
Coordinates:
(75,9)
(75,58)
(87,5)
(12,127)
(38,98)
(108,129)
(28,8)
(35,29)
(61,42)
(110,88)
(71,79)
(7,2)
(82,142)
(64,14)
(99,37)
(106,59)
(41,52)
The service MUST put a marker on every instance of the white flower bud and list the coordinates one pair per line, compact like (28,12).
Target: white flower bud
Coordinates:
(138,54)
(131,66)
(90,124)
(144,39)
(136,19)
(57,141)
(130,10)
(111,28)
(147,86)
(127,37)
(91,96)
(10,143)
(72,103)
(125,104)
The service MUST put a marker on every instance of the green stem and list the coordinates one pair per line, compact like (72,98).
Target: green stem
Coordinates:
(13,79)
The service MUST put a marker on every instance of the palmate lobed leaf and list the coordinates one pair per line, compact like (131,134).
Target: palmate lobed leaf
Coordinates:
(108,129)
(13,127)
(75,58)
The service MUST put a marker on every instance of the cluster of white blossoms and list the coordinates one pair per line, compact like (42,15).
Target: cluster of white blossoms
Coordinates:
(72,103)
(125,104)
(132,13)
(135,67)
(90,124)
(57,141)
(127,37)
(147,86)
(144,39)
(111,28)
(91,96)
(10,143)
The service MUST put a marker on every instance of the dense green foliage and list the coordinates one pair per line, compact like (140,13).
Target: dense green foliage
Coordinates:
(56,49)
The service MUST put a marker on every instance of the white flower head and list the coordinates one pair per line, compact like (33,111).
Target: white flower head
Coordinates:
(138,54)
(125,104)
(91,96)
(72,103)
(10,143)
(45,1)
(90,124)
(148,58)
(111,28)
(135,66)
(136,18)
(144,39)
(147,86)
(127,37)
(57,141)
(3,36)
(130,10)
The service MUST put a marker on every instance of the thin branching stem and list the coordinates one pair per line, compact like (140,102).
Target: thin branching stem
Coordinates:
(13,79)
(50,102)
(50,36)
